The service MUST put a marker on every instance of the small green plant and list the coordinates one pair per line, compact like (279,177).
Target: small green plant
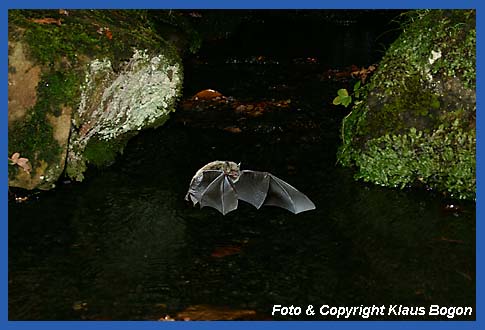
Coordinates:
(344,98)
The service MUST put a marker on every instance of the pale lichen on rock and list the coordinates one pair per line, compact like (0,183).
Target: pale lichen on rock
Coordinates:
(114,104)
(139,96)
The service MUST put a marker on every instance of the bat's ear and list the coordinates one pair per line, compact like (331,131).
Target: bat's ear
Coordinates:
(239,165)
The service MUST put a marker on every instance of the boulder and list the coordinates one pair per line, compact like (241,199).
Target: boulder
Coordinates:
(114,106)
(415,125)
(81,84)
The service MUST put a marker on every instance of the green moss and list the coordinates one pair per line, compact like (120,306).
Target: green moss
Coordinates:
(443,160)
(396,136)
(414,105)
(456,37)
(102,152)
(453,36)
(33,136)
(75,170)
(108,34)
(58,89)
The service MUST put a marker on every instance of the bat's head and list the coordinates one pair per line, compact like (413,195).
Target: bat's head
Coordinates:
(231,169)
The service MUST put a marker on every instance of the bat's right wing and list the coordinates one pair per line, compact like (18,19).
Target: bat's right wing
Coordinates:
(252,187)
(262,188)
(284,195)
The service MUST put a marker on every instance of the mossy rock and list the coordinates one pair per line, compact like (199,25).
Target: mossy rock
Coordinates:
(416,124)
(39,118)
(85,75)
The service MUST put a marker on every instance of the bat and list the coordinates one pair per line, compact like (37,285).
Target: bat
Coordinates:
(220,184)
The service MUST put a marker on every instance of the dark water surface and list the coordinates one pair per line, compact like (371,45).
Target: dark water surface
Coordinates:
(124,242)
(125,245)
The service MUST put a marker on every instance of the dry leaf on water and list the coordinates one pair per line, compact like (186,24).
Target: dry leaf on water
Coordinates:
(223,251)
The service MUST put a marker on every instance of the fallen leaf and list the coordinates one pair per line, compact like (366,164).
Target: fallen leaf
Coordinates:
(24,163)
(15,157)
(80,306)
(166,318)
(207,94)
(21,162)
(47,20)
(233,129)
(108,33)
(21,199)
(213,313)
(240,108)
(449,240)
(363,73)
(224,251)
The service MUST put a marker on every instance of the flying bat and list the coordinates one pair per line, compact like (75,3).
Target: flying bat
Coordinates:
(220,184)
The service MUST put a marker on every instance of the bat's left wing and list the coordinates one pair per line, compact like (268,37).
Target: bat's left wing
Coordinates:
(263,188)
(220,194)
(199,184)
(213,188)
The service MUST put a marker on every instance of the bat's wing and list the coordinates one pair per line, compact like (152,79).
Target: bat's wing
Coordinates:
(284,195)
(262,188)
(199,184)
(213,188)
(252,187)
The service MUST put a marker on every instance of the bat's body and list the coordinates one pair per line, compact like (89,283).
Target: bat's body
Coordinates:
(220,184)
